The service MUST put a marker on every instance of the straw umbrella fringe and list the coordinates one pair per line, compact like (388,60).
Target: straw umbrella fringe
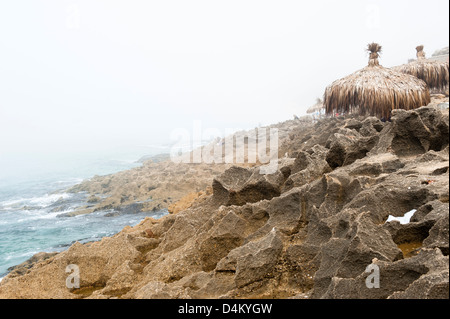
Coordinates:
(375,90)
(316,107)
(434,73)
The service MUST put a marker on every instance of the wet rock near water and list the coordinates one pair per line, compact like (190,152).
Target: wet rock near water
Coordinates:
(24,267)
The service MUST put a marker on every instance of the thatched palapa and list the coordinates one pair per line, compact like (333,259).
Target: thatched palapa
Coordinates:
(316,107)
(434,73)
(375,90)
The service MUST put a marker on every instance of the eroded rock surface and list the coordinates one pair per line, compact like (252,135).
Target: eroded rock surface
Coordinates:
(310,230)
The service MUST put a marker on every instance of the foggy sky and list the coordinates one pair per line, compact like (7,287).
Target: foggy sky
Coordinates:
(87,75)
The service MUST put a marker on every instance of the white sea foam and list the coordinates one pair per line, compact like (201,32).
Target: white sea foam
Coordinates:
(41,215)
(41,201)
(48,199)
(402,220)
(74,180)
(12,202)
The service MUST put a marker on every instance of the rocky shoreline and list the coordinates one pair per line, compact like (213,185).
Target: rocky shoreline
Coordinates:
(310,230)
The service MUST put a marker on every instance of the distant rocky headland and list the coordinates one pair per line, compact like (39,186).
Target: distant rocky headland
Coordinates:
(310,230)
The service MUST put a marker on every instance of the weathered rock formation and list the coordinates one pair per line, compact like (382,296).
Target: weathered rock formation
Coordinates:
(311,229)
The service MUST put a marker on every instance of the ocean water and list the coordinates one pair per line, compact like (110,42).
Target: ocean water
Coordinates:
(31,206)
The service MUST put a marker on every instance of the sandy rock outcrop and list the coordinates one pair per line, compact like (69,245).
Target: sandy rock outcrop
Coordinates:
(189,200)
(310,230)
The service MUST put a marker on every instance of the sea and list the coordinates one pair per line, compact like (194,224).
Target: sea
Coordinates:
(34,201)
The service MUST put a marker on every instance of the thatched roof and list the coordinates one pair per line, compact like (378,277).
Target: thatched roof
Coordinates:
(434,73)
(316,107)
(375,90)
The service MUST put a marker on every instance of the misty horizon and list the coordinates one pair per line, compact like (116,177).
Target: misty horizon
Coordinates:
(82,78)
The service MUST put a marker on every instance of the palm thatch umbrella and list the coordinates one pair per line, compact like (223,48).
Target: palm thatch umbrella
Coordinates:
(434,73)
(316,107)
(375,90)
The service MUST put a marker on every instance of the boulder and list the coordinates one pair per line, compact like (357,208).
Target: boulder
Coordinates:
(347,148)
(439,235)
(254,260)
(400,279)
(371,126)
(307,167)
(238,186)
(348,254)
(160,290)
(433,285)
(226,235)
(414,132)
(376,165)
(24,267)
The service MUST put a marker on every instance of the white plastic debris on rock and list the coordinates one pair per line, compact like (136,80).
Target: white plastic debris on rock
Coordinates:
(402,220)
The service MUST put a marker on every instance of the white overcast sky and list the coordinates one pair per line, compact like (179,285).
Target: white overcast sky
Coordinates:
(87,75)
